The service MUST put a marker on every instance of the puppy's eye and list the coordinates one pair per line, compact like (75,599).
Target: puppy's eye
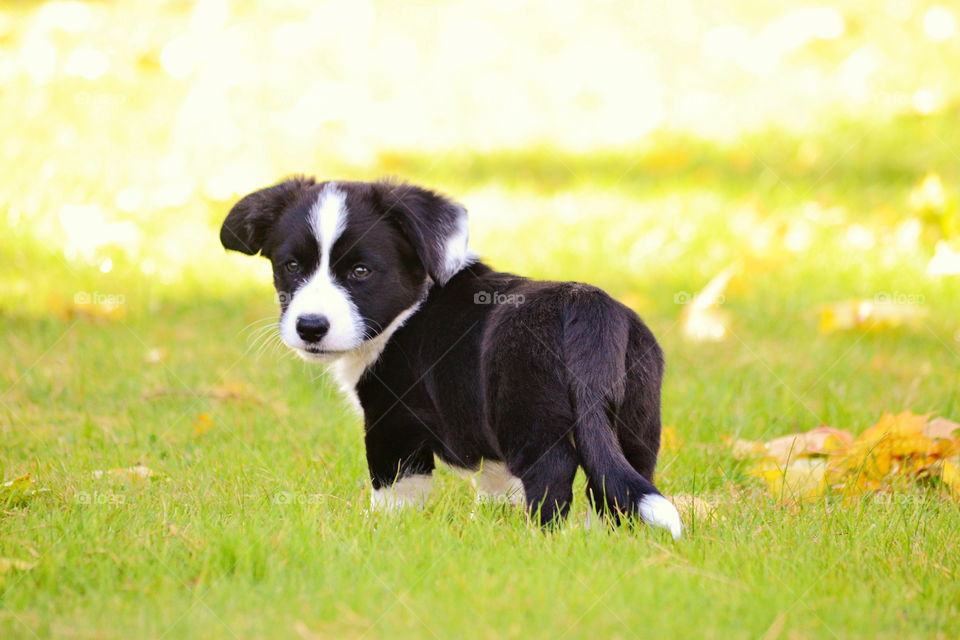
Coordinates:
(292,266)
(360,272)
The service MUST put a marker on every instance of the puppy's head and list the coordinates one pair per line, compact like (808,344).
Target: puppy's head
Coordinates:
(349,258)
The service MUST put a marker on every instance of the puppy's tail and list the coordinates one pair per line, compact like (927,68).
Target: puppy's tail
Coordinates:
(595,343)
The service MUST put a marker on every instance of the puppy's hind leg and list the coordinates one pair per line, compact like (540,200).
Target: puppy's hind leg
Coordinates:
(548,482)
(534,432)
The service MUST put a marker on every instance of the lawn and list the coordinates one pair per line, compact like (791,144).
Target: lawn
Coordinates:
(246,514)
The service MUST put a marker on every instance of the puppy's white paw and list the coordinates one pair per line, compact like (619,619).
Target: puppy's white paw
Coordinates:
(659,512)
(407,491)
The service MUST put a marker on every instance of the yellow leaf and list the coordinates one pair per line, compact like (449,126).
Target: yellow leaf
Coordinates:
(897,444)
(19,490)
(805,478)
(19,483)
(950,474)
(203,424)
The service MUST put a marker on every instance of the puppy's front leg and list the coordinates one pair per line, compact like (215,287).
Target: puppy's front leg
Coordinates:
(400,462)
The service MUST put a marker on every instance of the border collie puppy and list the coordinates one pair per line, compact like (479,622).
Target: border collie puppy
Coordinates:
(516,380)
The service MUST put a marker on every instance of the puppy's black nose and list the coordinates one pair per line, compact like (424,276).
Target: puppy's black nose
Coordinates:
(313,327)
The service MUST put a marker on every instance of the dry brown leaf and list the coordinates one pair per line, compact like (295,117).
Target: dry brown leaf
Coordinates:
(903,445)
(816,442)
(941,428)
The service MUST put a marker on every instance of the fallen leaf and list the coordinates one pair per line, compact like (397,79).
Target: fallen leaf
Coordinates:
(19,483)
(899,446)
(693,507)
(203,424)
(941,428)
(893,444)
(19,490)
(950,475)
(820,441)
(12,564)
(702,319)
(869,315)
(136,472)
(804,478)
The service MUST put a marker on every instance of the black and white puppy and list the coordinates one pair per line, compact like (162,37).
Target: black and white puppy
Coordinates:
(515,380)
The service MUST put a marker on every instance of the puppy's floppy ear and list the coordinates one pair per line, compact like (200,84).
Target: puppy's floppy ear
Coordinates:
(249,221)
(435,225)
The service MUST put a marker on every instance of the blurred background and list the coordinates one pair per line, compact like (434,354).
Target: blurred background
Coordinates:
(761,175)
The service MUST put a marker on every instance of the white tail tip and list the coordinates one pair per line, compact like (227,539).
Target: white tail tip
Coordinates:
(657,511)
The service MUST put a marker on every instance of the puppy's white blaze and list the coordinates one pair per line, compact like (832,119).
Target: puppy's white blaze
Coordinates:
(495,482)
(328,216)
(409,490)
(321,294)
(659,512)
(456,252)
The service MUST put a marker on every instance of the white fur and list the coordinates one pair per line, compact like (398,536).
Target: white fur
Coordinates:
(495,482)
(321,294)
(659,512)
(410,490)
(349,368)
(456,252)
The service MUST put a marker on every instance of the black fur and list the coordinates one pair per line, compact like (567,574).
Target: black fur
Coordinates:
(544,376)
(568,377)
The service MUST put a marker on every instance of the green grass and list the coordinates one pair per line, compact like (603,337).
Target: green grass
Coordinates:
(260,528)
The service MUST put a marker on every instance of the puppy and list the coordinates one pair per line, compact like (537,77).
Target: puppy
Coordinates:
(520,380)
